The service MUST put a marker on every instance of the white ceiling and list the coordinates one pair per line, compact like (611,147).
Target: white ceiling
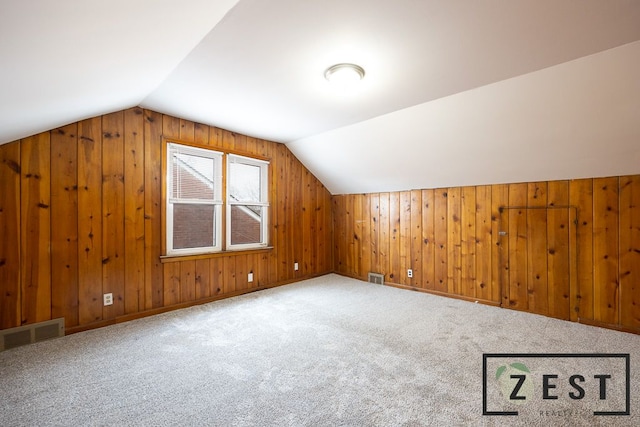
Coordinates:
(456,92)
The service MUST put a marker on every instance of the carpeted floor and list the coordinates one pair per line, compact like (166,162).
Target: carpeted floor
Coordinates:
(323,352)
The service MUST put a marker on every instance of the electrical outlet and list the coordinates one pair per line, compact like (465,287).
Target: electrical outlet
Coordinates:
(295,266)
(250,277)
(409,273)
(108,299)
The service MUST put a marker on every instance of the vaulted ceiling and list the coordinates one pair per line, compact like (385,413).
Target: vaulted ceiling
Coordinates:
(456,92)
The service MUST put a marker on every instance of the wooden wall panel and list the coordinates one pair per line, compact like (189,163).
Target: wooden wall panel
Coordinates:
(415,263)
(366,250)
(630,251)
(384,229)
(349,249)
(229,267)
(201,134)
(282,207)
(449,237)
(203,278)
(340,241)
(538,294)
(311,207)
(187,281)
(441,239)
(500,243)
(357,234)
(557,248)
(241,272)
(374,214)
(84,204)
(10,309)
(64,233)
(395,275)
(516,288)
(35,237)
(483,243)
(428,240)
(605,250)
(134,223)
(113,212)
(153,271)
(270,151)
(468,242)
(171,280)
(285,216)
(296,169)
(581,196)
(90,221)
(404,236)
(305,265)
(454,242)
(187,130)
(216,276)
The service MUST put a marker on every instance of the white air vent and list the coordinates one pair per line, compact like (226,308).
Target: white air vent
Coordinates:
(22,335)
(376,278)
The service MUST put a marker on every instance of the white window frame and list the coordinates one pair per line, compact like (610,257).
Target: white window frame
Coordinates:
(263,202)
(170,201)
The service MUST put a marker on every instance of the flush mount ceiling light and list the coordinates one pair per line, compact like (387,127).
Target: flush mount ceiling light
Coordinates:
(344,74)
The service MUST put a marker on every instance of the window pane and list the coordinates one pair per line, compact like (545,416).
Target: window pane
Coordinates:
(193,226)
(244,183)
(193,177)
(246,222)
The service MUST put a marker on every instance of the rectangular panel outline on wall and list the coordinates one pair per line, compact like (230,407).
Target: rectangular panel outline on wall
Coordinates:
(573,249)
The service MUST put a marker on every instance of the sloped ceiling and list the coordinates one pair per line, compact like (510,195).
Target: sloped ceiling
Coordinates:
(455,92)
(67,60)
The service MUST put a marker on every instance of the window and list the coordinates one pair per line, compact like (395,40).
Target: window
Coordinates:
(194,199)
(247,202)
(195,219)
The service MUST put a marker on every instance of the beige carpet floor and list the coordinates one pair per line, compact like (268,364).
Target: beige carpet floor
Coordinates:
(330,351)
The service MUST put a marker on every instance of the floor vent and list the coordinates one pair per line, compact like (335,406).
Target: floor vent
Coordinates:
(23,335)
(376,278)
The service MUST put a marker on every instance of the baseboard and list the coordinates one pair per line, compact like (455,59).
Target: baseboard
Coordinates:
(444,294)
(426,291)
(605,325)
(141,314)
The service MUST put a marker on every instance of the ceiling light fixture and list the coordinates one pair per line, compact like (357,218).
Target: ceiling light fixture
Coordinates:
(344,74)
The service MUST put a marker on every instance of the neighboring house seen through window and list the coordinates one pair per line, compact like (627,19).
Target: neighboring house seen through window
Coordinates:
(247,202)
(194,201)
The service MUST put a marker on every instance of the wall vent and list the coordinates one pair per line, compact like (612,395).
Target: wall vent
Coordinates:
(23,335)
(376,278)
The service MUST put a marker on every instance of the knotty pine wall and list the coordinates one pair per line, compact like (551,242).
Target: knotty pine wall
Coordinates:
(450,238)
(80,216)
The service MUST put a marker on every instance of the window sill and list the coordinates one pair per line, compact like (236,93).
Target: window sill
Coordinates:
(177,258)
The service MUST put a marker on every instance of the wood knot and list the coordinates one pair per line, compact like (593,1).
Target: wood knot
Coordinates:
(12,165)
